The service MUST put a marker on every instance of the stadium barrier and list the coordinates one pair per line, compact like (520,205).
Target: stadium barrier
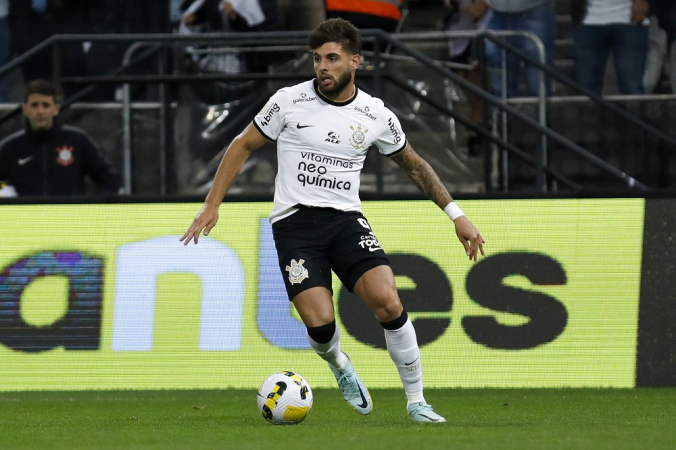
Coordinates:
(571,293)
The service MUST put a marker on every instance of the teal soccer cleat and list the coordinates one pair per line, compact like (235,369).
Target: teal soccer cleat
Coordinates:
(422,412)
(354,391)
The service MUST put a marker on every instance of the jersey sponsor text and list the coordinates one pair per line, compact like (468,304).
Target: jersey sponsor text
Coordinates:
(270,112)
(396,134)
(327,160)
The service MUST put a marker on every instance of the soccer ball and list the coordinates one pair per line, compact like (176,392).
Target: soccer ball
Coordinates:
(285,398)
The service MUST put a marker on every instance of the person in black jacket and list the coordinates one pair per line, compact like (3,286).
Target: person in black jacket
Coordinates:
(49,159)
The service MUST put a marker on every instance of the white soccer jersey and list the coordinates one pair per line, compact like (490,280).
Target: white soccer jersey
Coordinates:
(321,146)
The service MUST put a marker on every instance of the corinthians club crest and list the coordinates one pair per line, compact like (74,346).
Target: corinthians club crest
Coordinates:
(358,138)
(297,273)
(64,155)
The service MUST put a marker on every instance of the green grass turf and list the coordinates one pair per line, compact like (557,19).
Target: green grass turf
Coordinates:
(477,419)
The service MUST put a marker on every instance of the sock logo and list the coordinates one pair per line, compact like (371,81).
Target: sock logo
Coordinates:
(408,364)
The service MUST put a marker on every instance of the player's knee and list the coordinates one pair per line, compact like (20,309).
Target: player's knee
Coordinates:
(389,310)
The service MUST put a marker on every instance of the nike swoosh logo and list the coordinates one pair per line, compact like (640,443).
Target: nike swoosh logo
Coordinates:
(364,403)
(408,364)
(23,161)
(299,126)
(431,419)
(375,249)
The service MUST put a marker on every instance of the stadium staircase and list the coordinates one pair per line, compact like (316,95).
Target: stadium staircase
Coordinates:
(606,135)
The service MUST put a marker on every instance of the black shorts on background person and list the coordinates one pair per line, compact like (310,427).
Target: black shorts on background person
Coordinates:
(50,159)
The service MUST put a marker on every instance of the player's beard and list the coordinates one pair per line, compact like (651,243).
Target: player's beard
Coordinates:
(339,84)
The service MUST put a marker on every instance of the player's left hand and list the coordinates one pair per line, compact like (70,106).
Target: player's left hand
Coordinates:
(206,219)
(470,237)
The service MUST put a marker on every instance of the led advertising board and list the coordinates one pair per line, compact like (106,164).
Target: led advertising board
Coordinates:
(106,297)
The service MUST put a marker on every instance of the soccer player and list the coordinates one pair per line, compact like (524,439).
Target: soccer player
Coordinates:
(323,128)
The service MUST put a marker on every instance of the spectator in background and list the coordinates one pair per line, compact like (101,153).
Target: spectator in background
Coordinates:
(242,16)
(4,45)
(231,15)
(33,21)
(201,16)
(536,16)
(466,15)
(665,11)
(605,26)
(383,14)
(49,159)
(120,17)
(299,15)
(175,13)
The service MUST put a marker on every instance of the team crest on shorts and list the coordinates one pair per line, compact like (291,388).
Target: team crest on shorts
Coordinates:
(358,138)
(297,273)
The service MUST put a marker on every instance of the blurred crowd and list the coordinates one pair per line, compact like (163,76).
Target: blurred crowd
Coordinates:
(639,34)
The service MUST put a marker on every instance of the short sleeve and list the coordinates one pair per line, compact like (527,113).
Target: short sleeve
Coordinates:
(270,120)
(391,139)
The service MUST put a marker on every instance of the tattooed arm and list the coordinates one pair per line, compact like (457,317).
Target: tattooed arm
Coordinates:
(427,180)
(423,176)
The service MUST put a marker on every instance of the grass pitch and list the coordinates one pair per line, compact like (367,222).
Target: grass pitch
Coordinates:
(477,419)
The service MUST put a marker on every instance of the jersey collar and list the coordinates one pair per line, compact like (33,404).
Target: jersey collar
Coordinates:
(331,102)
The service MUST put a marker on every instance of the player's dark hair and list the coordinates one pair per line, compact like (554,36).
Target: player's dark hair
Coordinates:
(336,30)
(44,87)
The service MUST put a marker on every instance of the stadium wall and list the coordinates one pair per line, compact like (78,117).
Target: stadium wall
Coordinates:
(571,293)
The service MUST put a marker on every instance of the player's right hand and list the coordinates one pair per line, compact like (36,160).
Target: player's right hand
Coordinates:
(206,219)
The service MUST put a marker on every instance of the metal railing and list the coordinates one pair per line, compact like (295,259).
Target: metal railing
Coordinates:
(249,41)
(541,161)
(502,106)
(608,103)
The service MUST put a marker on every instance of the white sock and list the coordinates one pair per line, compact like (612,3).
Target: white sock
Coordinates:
(404,351)
(330,352)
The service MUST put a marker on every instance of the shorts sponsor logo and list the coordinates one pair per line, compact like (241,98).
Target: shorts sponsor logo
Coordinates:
(304,98)
(358,138)
(396,134)
(269,112)
(371,242)
(297,273)
(365,111)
